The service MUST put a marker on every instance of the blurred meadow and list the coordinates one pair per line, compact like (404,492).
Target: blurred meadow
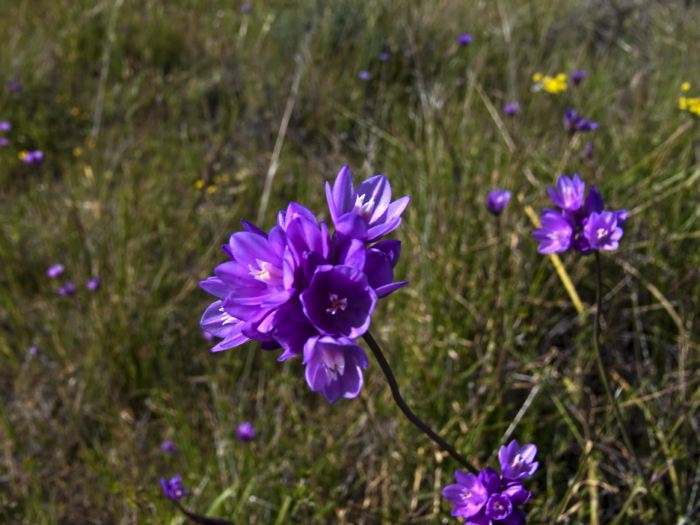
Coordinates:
(163,124)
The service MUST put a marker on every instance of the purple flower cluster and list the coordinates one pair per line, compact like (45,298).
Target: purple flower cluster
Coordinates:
(492,499)
(310,293)
(172,488)
(32,157)
(581,222)
(68,288)
(575,123)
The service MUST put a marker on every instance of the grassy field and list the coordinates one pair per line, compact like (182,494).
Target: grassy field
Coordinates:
(159,122)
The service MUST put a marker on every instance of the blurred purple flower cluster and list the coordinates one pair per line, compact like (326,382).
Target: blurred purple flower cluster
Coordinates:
(309,292)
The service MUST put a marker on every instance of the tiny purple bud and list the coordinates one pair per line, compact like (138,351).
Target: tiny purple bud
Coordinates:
(55,270)
(588,153)
(246,431)
(168,446)
(384,56)
(4,142)
(93,283)
(67,289)
(497,200)
(511,109)
(246,8)
(464,39)
(579,76)
(5,125)
(363,75)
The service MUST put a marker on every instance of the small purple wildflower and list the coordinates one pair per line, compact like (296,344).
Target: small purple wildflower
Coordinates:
(4,142)
(93,283)
(33,350)
(578,76)
(489,498)
(246,431)
(32,156)
(14,86)
(573,122)
(168,446)
(55,270)
(497,200)
(511,109)
(517,462)
(581,224)
(246,8)
(465,39)
(384,56)
(5,126)
(67,290)
(363,75)
(173,489)
(334,367)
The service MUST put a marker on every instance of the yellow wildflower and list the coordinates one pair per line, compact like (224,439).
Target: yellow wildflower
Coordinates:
(537,77)
(685,87)
(77,151)
(22,154)
(212,189)
(199,184)
(683,103)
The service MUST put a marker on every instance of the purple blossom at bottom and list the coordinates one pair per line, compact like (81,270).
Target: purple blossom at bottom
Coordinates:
(465,39)
(55,270)
(334,367)
(490,498)
(246,431)
(511,109)
(67,290)
(497,200)
(173,489)
(582,224)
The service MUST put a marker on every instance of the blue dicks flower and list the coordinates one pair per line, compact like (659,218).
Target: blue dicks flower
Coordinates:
(246,431)
(467,496)
(573,122)
(517,462)
(602,232)
(55,270)
(173,489)
(568,193)
(497,200)
(511,109)
(5,126)
(365,213)
(578,76)
(465,39)
(363,75)
(556,233)
(339,301)
(334,366)
(498,507)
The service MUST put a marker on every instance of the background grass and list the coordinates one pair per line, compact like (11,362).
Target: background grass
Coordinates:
(158,95)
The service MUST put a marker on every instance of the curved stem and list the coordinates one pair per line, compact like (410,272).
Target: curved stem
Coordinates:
(394,386)
(601,368)
(198,518)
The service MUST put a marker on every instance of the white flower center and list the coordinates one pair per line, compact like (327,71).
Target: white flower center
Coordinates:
(264,272)
(601,232)
(334,363)
(362,208)
(338,304)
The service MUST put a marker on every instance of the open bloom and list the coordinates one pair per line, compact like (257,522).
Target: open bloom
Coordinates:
(168,446)
(334,366)
(5,126)
(556,233)
(573,122)
(464,39)
(55,270)
(497,200)
(365,213)
(172,488)
(384,56)
(93,283)
(602,232)
(568,193)
(490,498)
(246,431)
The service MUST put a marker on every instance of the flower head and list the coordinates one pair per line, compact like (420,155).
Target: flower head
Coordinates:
(497,200)
(568,192)
(5,126)
(173,489)
(364,75)
(366,213)
(67,289)
(573,122)
(55,270)
(554,85)
(465,39)
(334,366)
(467,496)
(168,446)
(511,109)
(246,8)
(556,233)
(517,462)
(31,157)
(246,431)
(93,283)
(602,231)
(685,87)
(384,56)
(4,142)
(578,76)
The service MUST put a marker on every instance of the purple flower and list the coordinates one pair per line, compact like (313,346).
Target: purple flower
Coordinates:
(55,270)
(602,232)
(67,289)
(517,462)
(173,488)
(573,122)
(366,213)
(4,142)
(93,283)
(498,507)
(464,39)
(497,200)
(32,157)
(14,86)
(168,446)
(339,301)
(568,193)
(334,367)
(579,76)
(384,56)
(379,264)
(246,8)
(556,233)
(363,75)
(511,109)
(33,350)
(517,493)
(467,496)
(5,126)
(246,431)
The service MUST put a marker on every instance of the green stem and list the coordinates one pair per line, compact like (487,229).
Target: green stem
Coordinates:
(394,386)
(603,375)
